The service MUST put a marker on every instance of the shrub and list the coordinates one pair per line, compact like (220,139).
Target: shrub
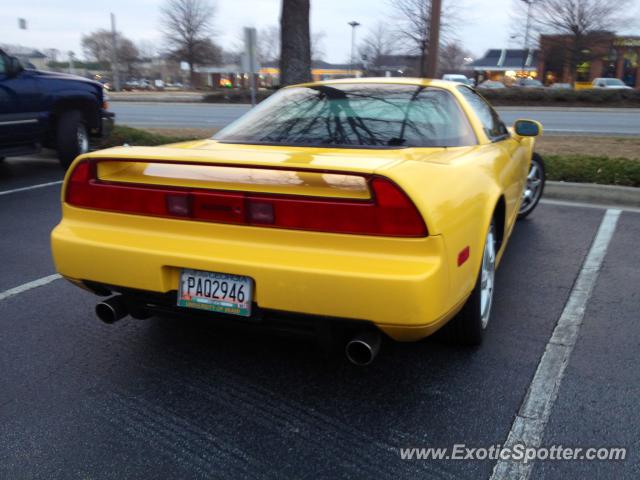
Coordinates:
(135,136)
(587,169)
(235,96)
(562,97)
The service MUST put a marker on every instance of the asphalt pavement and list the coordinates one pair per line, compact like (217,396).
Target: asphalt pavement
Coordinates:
(164,398)
(565,121)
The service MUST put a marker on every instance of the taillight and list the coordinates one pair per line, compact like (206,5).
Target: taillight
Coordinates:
(389,212)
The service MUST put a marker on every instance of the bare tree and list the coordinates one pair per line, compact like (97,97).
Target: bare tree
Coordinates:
(147,49)
(452,56)
(269,44)
(188,25)
(205,51)
(52,54)
(378,43)
(295,41)
(317,45)
(578,24)
(97,47)
(415,23)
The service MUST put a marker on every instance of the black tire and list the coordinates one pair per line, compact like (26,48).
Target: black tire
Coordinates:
(72,137)
(527,207)
(468,326)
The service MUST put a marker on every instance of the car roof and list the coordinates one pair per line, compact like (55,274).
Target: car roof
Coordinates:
(425,82)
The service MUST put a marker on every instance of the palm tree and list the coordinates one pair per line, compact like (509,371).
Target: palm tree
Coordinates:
(295,58)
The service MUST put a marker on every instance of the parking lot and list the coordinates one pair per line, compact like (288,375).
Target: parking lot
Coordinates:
(172,399)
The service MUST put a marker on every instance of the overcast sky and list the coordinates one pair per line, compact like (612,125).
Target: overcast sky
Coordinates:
(60,24)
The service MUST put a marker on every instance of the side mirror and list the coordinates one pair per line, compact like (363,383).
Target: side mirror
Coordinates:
(528,128)
(14,67)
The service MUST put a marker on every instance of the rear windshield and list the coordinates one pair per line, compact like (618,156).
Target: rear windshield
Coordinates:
(369,116)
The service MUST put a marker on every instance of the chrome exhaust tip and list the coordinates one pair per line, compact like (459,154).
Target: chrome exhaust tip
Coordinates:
(112,309)
(362,349)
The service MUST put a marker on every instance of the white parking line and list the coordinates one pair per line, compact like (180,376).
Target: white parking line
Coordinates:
(598,206)
(529,425)
(32,187)
(28,286)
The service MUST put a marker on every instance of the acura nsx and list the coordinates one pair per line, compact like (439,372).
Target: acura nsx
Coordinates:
(363,206)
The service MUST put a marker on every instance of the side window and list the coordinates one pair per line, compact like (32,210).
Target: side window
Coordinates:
(493,126)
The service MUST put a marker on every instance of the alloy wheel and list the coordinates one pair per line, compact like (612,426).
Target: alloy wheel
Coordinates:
(487,277)
(533,190)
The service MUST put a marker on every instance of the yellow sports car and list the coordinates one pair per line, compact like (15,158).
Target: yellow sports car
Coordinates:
(343,208)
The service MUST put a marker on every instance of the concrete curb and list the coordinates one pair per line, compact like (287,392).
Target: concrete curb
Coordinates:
(592,193)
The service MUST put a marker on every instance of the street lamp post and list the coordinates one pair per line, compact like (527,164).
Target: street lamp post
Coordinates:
(526,34)
(353,25)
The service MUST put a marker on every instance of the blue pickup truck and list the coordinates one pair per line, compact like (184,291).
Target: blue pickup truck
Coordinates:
(46,109)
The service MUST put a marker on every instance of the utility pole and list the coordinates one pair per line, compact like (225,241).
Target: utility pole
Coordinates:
(354,25)
(250,62)
(434,38)
(114,55)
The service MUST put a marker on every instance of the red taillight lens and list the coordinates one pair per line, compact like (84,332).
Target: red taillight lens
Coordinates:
(390,212)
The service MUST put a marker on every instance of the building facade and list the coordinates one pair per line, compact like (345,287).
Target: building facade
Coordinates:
(602,54)
(505,65)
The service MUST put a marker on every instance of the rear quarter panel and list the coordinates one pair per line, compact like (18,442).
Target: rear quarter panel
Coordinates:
(457,192)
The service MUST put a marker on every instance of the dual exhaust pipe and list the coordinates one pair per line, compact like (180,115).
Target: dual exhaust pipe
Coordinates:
(361,350)
(112,309)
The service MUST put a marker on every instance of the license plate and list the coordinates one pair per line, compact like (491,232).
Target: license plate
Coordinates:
(216,292)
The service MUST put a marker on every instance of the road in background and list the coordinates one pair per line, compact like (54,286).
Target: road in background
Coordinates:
(572,121)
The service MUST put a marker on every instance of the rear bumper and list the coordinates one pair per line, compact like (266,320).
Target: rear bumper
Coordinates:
(400,285)
(143,303)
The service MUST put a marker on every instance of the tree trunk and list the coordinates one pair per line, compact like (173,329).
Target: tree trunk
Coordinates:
(423,61)
(434,38)
(192,75)
(295,58)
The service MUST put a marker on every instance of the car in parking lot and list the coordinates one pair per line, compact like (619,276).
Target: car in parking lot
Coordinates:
(49,109)
(492,85)
(610,84)
(458,78)
(528,83)
(358,205)
(561,86)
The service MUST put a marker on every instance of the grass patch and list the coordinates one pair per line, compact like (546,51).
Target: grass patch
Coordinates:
(137,137)
(590,169)
(589,146)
